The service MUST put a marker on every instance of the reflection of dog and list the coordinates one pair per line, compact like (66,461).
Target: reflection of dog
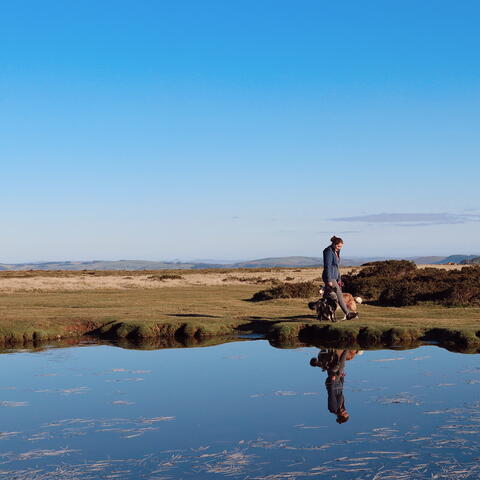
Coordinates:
(327,305)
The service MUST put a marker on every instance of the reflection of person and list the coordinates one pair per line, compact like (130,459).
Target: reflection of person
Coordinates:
(333,361)
(331,274)
(334,383)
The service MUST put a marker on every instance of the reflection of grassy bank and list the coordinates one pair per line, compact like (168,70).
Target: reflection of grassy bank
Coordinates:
(199,312)
(127,343)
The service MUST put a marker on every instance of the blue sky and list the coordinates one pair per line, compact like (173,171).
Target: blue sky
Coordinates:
(221,129)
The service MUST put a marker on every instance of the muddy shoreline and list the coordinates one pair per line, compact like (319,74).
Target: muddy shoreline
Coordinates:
(281,335)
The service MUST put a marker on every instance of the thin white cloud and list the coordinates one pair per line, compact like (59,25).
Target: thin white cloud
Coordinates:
(344,232)
(412,219)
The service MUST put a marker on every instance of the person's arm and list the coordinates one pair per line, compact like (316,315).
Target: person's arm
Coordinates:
(328,264)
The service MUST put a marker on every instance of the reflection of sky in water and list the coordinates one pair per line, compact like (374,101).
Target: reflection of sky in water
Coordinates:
(238,409)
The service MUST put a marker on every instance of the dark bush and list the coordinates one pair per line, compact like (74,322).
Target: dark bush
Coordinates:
(388,268)
(287,290)
(462,295)
(375,277)
(400,294)
(257,280)
(401,283)
(165,276)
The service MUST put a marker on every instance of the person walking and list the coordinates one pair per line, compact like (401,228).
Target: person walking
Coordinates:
(333,361)
(331,274)
(334,384)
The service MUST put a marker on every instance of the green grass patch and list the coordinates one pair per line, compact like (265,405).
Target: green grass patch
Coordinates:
(196,312)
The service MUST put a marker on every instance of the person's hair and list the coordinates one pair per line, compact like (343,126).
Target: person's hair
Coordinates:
(342,419)
(336,240)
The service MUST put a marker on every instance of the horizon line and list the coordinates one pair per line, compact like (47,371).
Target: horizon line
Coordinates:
(230,261)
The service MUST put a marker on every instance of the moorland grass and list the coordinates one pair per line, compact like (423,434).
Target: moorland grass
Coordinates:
(197,312)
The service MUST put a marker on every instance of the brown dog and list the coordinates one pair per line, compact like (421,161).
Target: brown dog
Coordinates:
(350,300)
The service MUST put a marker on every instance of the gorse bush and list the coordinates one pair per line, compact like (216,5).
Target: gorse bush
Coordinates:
(395,283)
(400,283)
(388,268)
(400,294)
(376,277)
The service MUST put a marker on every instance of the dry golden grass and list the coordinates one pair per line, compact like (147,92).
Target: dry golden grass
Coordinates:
(39,281)
(71,281)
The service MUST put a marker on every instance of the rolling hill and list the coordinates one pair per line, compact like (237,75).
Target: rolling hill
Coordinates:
(270,262)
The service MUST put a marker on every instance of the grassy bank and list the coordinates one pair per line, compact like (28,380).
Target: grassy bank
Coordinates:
(178,312)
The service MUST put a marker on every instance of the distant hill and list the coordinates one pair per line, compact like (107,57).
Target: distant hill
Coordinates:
(99,265)
(271,262)
(471,261)
(298,262)
(280,262)
(426,260)
(436,260)
(286,262)
(457,259)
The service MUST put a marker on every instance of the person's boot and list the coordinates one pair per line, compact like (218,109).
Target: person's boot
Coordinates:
(351,315)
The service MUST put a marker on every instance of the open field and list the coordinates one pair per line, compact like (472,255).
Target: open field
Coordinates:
(48,280)
(142,305)
(127,280)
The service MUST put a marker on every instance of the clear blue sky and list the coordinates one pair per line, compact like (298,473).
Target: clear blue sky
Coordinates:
(238,129)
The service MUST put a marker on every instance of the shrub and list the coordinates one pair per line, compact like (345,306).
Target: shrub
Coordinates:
(401,283)
(233,278)
(165,276)
(399,294)
(376,277)
(388,268)
(462,294)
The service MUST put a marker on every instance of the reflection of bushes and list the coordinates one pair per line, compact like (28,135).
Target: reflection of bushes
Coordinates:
(400,283)
(288,290)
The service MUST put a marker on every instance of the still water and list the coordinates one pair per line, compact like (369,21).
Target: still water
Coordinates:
(239,410)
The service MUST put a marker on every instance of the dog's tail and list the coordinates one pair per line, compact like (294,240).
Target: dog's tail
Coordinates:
(358,299)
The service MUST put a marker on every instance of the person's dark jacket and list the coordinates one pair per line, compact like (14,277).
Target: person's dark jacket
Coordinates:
(331,265)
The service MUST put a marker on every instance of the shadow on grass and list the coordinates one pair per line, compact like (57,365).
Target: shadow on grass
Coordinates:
(301,317)
(254,324)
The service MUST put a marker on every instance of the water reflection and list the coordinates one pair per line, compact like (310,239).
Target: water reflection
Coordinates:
(239,410)
(333,362)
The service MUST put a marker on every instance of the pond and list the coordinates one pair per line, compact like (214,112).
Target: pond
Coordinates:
(239,410)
